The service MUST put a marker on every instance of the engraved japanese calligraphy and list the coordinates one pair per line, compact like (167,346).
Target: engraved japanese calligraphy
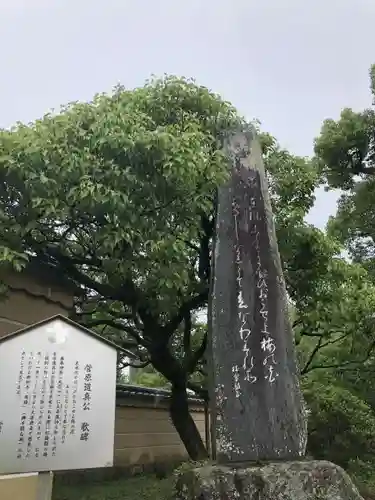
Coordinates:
(243,314)
(260,411)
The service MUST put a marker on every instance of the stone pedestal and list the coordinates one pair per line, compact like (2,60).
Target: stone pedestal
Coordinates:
(305,480)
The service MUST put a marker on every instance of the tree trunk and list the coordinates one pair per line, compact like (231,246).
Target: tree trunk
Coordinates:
(165,363)
(185,425)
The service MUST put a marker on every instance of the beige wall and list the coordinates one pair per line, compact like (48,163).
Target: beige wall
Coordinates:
(32,486)
(145,439)
(146,435)
(31,298)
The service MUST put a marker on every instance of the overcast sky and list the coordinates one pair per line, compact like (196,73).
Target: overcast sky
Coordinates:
(289,63)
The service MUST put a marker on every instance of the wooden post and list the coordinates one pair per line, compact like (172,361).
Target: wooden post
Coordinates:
(45,484)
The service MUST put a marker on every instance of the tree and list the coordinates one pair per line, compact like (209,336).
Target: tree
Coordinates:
(332,312)
(118,194)
(147,376)
(335,332)
(341,424)
(345,150)
(345,153)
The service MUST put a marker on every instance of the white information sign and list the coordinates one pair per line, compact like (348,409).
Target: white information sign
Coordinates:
(57,398)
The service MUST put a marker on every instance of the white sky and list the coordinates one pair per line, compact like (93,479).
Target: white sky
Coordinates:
(290,64)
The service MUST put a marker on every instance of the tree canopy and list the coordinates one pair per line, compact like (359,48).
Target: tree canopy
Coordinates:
(345,150)
(118,194)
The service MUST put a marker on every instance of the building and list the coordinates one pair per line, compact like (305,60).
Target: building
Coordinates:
(36,293)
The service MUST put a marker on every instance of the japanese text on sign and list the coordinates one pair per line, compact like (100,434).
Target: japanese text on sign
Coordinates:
(48,404)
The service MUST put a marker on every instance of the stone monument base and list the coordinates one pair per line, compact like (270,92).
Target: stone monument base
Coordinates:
(304,480)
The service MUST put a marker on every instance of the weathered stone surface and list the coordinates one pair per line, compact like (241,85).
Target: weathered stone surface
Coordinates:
(278,481)
(257,407)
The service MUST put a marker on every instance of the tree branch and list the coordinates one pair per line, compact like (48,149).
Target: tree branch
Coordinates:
(297,322)
(204,266)
(195,302)
(116,314)
(135,365)
(312,355)
(334,341)
(198,354)
(77,276)
(200,391)
(118,326)
(311,334)
(307,334)
(187,337)
(345,365)
(127,293)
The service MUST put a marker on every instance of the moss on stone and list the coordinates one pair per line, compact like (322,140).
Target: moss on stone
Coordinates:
(303,480)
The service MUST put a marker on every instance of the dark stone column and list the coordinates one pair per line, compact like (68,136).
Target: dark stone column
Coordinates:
(257,407)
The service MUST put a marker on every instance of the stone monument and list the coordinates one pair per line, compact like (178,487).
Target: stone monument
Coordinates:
(258,409)
(259,424)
